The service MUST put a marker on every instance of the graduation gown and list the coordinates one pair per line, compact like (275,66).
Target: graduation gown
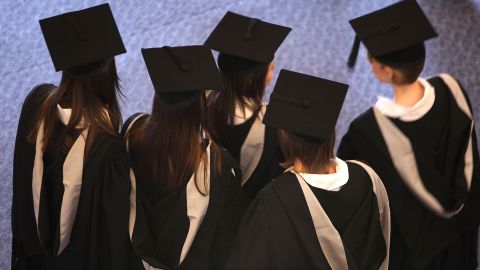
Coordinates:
(68,212)
(255,147)
(430,169)
(288,226)
(186,230)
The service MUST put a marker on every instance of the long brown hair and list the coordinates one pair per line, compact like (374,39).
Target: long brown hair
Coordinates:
(92,97)
(239,86)
(165,147)
(315,158)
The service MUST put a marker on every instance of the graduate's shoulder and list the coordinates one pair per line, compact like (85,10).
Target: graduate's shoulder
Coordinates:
(37,95)
(363,119)
(358,167)
(443,76)
(359,171)
(362,124)
(282,183)
(133,121)
(109,146)
(450,82)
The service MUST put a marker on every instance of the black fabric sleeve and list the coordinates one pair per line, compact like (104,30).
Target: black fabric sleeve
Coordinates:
(469,215)
(22,216)
(115,244)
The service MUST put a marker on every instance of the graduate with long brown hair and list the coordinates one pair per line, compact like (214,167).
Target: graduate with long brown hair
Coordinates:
(186,200)
(70,177)
(246,60)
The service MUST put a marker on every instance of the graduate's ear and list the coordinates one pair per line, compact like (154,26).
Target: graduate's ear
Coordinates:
(383,72)
(271,68)
(389,72)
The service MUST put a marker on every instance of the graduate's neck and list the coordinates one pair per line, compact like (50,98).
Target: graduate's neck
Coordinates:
(328,169)
(408,95)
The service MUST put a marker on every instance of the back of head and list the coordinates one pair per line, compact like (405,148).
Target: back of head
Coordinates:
(82,44)
(394,35)
(407,64)
(305,110)
(244,83)
(169,145)
(92,99)
(314,157)
(246,48)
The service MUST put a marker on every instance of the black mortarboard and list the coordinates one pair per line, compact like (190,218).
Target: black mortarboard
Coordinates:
(80,41)
(180,74)
(245,41)
(305,106)
(394,35)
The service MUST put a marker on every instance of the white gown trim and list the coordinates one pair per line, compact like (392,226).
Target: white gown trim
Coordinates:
(72,179)
(197,203)
(252,148)
(328,236)
(403,158)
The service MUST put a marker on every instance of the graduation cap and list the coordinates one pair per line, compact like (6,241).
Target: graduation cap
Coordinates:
(394,35)
(245,42)
(305,106)
(180,74)
(80,41)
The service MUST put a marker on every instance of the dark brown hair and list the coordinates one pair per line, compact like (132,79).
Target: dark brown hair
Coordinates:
(92,97)
(239,86)
(315,158)
(407,75)
(404,75)
(165,147)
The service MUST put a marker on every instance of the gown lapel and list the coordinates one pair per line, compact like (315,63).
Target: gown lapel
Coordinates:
(72,182)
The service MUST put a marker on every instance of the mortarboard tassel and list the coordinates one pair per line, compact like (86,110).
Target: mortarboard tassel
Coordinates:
(352,59)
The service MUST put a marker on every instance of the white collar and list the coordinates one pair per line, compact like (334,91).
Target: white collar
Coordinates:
(331,182)
(241,116)
(389,108)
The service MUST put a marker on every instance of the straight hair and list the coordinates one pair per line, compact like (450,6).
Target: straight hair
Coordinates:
(166,147)
(315,158)
(93,101)
(239,87)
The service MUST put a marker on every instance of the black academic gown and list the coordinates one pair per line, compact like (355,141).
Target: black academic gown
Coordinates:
(99,237)
(161,222)
(277,231)
(421,239)
(268,166)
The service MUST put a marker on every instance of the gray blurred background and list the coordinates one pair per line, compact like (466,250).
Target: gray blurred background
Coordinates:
(319,45)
